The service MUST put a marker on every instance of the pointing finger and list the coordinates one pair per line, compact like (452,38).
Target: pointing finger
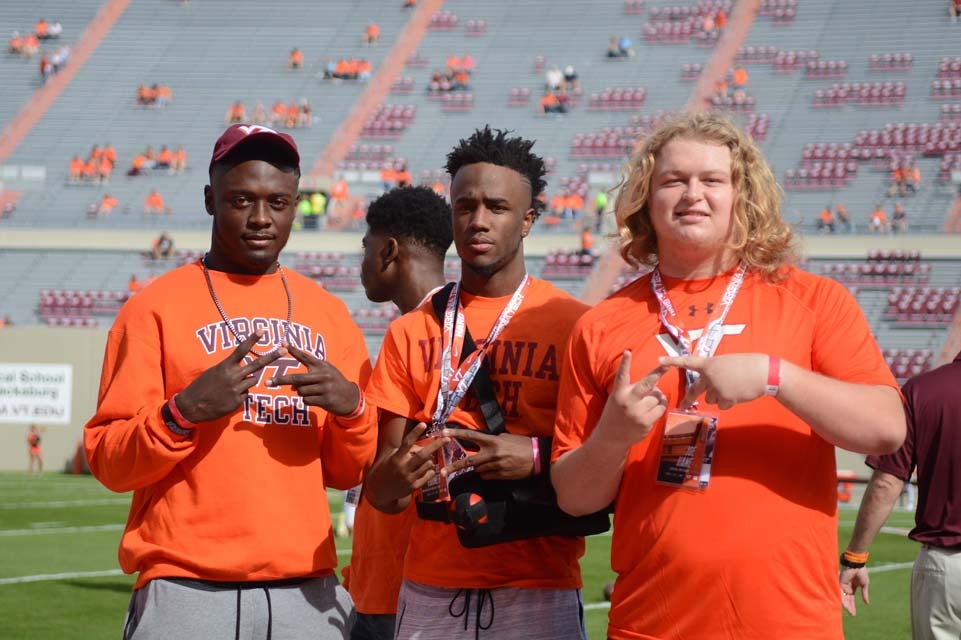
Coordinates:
(302,356)
(244,347)
(622,379)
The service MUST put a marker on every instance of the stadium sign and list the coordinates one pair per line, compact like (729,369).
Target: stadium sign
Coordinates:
(35,393)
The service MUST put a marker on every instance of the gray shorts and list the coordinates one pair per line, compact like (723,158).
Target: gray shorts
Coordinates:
(279,610)
(505,613)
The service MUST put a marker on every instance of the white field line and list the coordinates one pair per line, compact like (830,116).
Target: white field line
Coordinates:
(54,530)
(53,504)
(46,577)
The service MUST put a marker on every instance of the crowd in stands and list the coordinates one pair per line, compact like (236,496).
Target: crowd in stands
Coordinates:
(29,45)
(172,161)
(96,169)
(830,221)
(905,177)
(347,69)
(155,95)
(455,77)
(559,86)
(296,115)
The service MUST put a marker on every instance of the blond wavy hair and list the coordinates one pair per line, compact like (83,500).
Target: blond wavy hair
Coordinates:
(760,237)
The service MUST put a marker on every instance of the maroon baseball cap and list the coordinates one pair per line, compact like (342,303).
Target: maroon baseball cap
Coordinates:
(238,135)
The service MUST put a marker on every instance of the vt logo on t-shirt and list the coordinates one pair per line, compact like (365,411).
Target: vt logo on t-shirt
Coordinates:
(667,342)
(282,406)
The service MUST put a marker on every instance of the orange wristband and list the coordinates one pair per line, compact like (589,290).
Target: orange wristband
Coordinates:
(856,558)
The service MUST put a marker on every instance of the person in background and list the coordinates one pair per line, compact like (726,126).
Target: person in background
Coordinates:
(408,234)
(932,448)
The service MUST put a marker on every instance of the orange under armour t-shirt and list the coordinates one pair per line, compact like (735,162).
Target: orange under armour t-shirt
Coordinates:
(754,556)
(524,369)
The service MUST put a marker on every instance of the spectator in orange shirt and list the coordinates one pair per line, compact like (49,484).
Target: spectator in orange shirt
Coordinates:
(180,160)
(154,203)
(587,242)
(371,34)
(740,79)
(403,177)
(826,220)
(278,114)
(296,59)
(109,153)
(898,181)
(165,158)
(107,204)
(90,169)
(236,113)
(104,169)
(163,95)
(293,112)
(16,44)
(912,178)
(720,19)
(146,95)
(550,104)
(42,29)
(439,188)
(878,222)
(363,70)
(573,205)
(843,217)
(30,45)
(388,178)
(76,169)
(338,194)
(137,165)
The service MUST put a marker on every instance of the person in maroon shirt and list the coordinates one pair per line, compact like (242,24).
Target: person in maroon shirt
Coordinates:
(933,445)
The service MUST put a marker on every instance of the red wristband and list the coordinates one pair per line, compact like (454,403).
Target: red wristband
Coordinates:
(773,376)
(179,417)
(536,450)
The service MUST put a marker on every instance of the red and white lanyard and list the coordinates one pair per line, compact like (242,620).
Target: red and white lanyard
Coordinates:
(708,342)
(455,382)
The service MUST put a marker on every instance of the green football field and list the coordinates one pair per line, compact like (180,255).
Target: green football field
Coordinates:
(59,576)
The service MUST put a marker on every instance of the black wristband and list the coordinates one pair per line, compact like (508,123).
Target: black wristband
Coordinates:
(847,564)
(175,428)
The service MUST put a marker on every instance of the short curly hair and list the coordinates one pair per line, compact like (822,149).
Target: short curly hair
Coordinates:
(760,237)
(494,147)
(415,213)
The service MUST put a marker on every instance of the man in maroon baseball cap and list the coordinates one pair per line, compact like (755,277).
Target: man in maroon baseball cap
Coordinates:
(254,140)
(230,397)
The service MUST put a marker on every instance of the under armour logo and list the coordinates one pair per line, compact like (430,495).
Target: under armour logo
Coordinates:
(708,309)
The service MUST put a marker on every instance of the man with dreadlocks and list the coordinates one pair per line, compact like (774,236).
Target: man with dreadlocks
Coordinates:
(528,588)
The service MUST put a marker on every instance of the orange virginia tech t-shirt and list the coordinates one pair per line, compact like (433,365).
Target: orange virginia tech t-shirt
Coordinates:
(754,556)
(525,370)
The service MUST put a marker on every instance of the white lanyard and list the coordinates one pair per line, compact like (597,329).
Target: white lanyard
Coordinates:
(708,342)
(455,382)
